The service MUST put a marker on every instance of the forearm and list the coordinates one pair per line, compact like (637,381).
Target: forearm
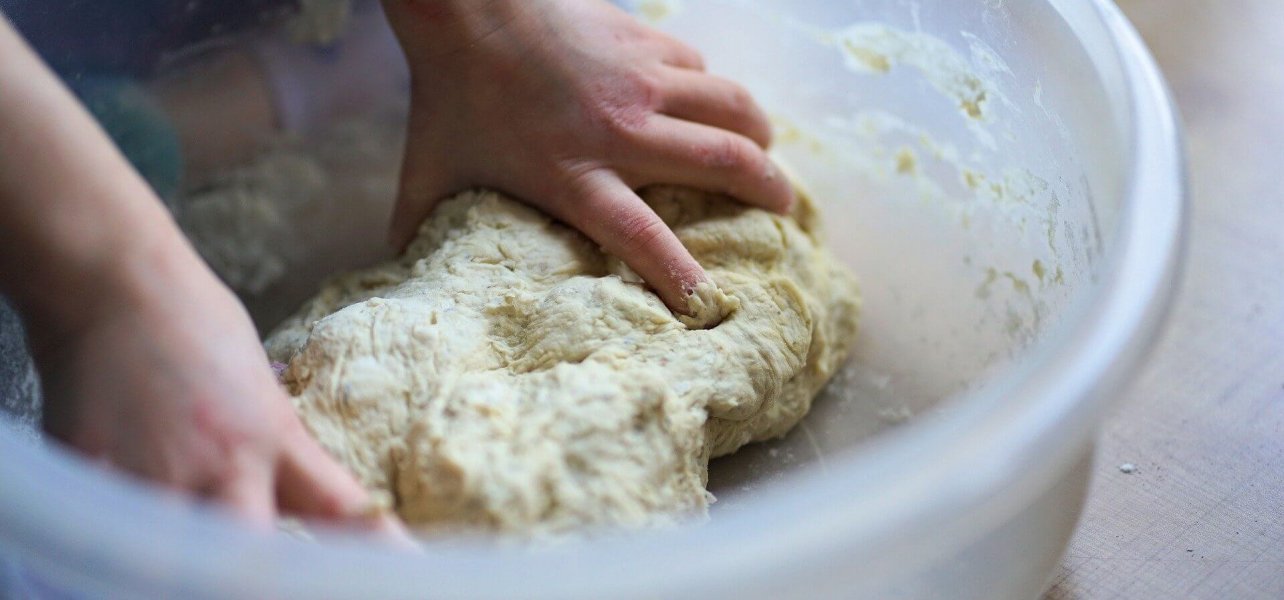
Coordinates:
(74,216)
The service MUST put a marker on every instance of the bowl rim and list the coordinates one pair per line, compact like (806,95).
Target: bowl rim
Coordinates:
(989,445)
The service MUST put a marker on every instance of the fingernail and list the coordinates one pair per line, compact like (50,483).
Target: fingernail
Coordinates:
(693,279)
(773,173)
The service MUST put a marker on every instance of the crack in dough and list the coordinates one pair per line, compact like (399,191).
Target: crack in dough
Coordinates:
(505,375)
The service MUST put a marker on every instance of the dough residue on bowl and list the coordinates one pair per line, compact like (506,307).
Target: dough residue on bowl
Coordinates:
(506,375)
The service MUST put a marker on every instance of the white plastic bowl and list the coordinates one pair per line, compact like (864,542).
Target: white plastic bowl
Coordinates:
(1007,318)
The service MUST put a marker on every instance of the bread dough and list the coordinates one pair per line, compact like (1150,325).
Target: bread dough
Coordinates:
(506,375)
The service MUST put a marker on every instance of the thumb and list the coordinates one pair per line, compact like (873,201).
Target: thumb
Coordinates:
(312,485)
(424,180)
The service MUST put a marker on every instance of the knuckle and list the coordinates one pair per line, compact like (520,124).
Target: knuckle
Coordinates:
(728,153)
(695,58)
(621,118)
(623,106)
(578,180)
(688,56)
(740,101)
(641,232)
(683,52)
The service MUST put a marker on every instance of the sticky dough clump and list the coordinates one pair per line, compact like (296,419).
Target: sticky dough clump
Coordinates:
(506,375)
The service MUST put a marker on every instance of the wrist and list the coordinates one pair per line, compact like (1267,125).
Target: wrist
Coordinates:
(122,274)
(431,32)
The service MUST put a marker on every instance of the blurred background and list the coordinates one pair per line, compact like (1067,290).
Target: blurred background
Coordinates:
(1202,513)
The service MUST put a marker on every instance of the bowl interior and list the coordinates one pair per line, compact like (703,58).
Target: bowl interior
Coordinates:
(965,156)
(970,171)
(968,157)
(970,160)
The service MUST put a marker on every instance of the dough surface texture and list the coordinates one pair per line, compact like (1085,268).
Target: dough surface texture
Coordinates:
(505,375)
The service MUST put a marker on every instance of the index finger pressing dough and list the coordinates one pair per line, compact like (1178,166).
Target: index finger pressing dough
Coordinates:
(506,375)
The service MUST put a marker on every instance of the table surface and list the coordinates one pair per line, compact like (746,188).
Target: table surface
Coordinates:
(1202,516)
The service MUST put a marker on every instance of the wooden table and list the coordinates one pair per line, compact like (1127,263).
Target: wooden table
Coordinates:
(1202,516)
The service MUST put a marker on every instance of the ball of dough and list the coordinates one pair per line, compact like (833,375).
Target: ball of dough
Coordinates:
(506,375)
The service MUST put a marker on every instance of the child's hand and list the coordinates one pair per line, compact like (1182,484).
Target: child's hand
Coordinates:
(163,377)
(572,105)
(146,361)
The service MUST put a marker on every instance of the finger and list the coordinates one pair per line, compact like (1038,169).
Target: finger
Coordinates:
(311,484)
(677,53)
(423,183)
(607,211)
(247,488)
(680,152)
(712,100)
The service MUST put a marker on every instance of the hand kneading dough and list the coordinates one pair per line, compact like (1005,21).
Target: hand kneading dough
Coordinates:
(506,375)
